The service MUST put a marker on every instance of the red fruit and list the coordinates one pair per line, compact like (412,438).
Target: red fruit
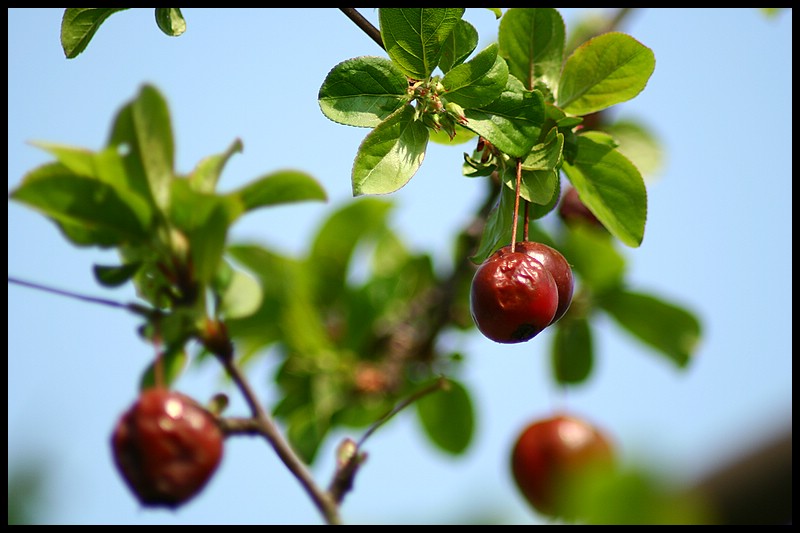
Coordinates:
(512,297)
(166,446)
(557,265)
(551,454)
(573,211)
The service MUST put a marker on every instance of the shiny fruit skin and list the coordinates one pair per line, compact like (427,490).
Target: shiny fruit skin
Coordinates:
(512,297)
(166,446)
(552,452)
(557,265)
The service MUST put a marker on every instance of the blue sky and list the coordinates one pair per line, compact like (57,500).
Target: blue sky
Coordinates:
(718,241)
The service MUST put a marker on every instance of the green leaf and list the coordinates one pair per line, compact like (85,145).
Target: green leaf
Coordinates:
(604,71)
(513,122)
(107,166)
(306,433)
(263,327)
(242,296)
(114,276)
(79,24)
(448,418)
(281,187)
(390,154)
(670,329)
(611,187)
(205,219)
(414,37)
(206,174)
(173,361)
(153,130)
(540,178)
(170,20)
(478,82)
(536,211)
(532,41)
(207,242)
(459,45)
(632,495)
(638,144)
(80,202)
(363,91)
(536,186)
(593,257)
(572,351)
(336,240)
(123,141)
(547,154)
(497,231)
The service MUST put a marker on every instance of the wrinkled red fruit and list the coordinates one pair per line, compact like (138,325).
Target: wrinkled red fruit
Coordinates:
(513,297)
(573,211)
(551,454)
(166,446)
(557,265)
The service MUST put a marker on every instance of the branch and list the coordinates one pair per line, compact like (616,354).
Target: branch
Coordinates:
(364,24)
(263,424)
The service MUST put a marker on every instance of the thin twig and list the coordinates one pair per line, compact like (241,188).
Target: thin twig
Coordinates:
(136,308)
(373,32)
(440,383)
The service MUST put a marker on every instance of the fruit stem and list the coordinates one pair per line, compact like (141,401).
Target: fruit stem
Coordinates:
(525,222)
(515,218)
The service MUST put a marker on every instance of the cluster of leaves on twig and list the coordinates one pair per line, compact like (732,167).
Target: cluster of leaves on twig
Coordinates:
(351,350)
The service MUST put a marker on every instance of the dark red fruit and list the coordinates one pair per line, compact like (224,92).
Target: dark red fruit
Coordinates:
(573,211)
(513,297)
(557,265)
(553,453)
(166,446)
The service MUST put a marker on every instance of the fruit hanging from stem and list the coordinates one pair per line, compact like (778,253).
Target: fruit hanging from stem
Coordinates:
(166,446)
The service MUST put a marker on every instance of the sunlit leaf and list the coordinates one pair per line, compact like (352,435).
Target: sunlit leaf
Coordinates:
(414,37)
(513,122)
(242,296)
(363,91)
(170,20)
(604,71)
(611,187)
(153,130)
(459,45)
(280,187)
(79,24)
(532,41)
(390,154)
(206,174)
(479,81)
(78,201)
